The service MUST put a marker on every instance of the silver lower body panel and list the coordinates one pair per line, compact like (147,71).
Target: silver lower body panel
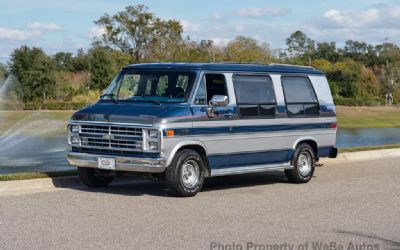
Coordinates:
(131,164)
(250,169)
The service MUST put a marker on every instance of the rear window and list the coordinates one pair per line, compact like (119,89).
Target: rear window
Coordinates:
(255,96)
(300,96)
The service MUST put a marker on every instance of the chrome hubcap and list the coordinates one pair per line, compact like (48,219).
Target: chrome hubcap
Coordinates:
(190,174)
(304,164)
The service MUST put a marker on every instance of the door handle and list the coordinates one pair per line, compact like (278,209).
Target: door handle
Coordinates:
(228,114)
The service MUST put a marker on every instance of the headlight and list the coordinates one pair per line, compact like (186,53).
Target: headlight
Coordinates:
(74,128)
(75,140)
(152,133)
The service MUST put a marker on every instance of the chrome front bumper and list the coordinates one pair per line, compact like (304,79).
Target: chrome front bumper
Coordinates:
(133,164)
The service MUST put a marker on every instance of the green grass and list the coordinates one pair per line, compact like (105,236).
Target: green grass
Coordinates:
(368,117)
(10,118)
(33,175)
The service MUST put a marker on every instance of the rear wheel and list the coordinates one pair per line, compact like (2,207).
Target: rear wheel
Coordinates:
(303,164)
(95,178)
(185,176)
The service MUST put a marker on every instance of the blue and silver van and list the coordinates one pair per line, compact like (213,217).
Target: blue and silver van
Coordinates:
(183,122)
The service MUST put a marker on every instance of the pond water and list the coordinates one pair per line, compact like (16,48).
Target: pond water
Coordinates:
(32,153)
(360,137)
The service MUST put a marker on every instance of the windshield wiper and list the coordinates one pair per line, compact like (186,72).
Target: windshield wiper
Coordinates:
(111,95)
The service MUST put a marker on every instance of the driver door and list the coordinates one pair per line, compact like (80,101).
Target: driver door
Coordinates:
(214,131)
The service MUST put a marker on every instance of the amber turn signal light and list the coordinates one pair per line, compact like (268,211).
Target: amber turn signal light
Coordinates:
(170,133)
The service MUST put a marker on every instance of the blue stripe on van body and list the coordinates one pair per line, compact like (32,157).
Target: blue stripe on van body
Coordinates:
(247,129)
(221,161)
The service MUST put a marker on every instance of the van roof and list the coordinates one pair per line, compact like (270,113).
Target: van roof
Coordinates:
(270,68)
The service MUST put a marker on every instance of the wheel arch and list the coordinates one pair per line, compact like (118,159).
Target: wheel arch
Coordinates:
(309,140)
(197,146)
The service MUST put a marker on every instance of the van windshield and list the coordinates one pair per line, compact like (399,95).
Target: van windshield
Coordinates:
(151,86)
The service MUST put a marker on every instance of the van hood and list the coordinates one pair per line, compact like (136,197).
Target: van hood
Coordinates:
(133,112)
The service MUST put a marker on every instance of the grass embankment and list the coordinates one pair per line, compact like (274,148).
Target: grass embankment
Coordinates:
(368,117)
(8,119)
(28,176)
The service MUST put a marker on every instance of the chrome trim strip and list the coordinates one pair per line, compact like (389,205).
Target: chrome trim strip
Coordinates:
(250,169)
(75,122)
(133,164)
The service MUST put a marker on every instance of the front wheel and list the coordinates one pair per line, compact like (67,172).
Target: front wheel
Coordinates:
(185,176)
(95,178)
(303,164)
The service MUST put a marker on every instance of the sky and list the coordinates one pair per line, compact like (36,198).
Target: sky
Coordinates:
(68,25)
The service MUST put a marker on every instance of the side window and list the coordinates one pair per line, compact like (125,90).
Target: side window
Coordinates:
(255,96)
(300,96)
(215,85)
(201,96)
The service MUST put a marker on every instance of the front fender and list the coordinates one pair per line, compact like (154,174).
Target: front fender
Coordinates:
(182,144)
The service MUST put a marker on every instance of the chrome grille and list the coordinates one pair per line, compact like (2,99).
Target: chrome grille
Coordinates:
(111,130)
(111,137)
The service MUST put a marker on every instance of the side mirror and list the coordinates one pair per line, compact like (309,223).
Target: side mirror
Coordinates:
(216,101)
(219,101)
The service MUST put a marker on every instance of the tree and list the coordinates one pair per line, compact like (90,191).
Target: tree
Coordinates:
(81,61)
(64,61)
(136,29)
(166,42)
(245,50)
(327,51)
(2,71)
(102,68)
(346,74)
(35,72)
(299,45)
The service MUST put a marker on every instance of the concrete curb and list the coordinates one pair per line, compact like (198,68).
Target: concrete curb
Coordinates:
(364,156)
(19,187)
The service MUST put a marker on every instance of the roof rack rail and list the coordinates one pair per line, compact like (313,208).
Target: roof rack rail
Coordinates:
(291,65)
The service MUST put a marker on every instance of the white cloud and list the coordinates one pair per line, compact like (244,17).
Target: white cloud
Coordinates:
(217,17)
(382,16)
(189,26)
(43,26)
(96,31)
(259,12)
(18,35)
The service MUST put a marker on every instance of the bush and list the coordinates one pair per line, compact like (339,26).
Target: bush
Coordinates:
(55,106)
(371,101)
(89,97)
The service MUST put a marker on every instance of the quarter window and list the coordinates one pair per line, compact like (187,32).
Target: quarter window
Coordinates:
(300,96)
(255,96)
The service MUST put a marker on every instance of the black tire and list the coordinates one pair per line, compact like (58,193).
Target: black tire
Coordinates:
(174,176)
(91,178)
(298,175)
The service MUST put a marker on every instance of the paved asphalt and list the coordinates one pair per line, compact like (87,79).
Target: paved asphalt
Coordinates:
(347,206)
